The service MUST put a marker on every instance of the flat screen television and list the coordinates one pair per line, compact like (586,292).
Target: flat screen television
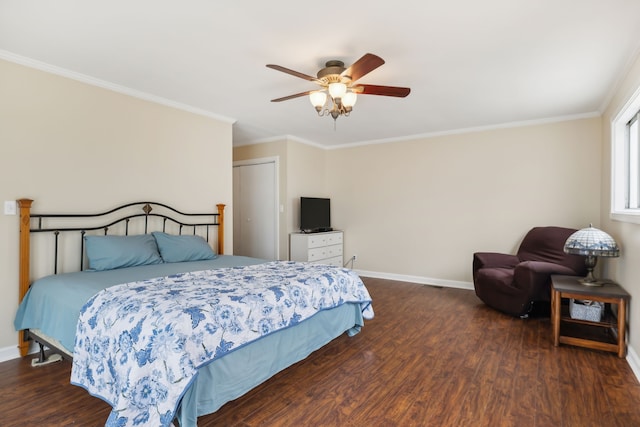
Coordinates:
(315,214)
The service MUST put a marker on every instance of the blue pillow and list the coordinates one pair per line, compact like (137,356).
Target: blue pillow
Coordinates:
(182,248)
(111,252)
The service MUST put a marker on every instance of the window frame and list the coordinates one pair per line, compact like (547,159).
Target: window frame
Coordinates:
(620,161)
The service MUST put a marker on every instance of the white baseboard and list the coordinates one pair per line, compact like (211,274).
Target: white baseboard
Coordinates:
(9,353)
(417,279)
(634,361)
(12,352)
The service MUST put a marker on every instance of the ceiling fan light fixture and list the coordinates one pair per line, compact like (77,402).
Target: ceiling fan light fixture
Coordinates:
(318,99)
(349,99)
(338,93)
(337,90)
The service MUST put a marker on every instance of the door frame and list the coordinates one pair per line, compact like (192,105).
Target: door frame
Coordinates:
(276,205)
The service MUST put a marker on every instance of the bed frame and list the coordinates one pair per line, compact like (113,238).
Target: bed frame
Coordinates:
(147,216)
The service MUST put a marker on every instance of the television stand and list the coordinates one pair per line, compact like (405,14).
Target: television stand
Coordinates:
(319,247)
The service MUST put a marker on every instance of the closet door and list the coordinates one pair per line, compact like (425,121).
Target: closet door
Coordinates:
(255,210)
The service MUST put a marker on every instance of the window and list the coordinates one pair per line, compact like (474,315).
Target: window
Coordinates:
(631,148)
(625,168)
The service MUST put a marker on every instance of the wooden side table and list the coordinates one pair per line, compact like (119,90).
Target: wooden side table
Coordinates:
(606,335)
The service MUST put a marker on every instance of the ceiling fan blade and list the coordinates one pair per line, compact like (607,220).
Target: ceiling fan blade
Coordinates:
(292,72)
(297,95)
(362,66)
(399,92)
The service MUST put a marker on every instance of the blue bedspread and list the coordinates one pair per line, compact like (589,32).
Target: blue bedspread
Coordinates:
(139,345)
(53,303)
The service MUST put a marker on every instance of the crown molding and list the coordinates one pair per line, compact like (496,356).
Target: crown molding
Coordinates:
(83,78)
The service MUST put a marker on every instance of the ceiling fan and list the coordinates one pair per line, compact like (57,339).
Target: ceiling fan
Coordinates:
(340,84)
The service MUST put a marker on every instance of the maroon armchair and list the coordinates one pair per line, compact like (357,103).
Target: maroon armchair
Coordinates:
(512,283)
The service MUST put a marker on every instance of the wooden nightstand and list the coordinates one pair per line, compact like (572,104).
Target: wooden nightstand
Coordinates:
(607,334)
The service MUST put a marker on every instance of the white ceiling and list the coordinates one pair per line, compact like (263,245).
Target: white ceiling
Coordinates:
(470,64)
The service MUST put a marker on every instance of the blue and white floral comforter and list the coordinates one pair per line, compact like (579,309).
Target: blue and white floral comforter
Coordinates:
(138,345)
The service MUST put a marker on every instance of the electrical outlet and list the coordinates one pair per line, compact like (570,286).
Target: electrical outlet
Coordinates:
(354,257)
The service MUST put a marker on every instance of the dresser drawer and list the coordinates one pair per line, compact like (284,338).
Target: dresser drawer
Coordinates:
(317,241)
(335,261)
(317,254)
(334,239)
(333,251)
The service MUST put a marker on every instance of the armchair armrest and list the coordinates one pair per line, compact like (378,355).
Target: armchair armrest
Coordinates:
(536,275)
(493,260)
(542,268)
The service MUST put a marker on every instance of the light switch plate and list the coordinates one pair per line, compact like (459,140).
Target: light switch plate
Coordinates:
(10,207)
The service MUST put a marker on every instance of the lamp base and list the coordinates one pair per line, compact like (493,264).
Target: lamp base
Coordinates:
(590,279)
(587,282)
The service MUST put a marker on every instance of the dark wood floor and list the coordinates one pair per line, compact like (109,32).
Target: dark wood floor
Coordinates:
(431,357)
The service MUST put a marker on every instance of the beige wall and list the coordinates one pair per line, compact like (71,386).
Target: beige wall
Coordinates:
(626,268)
(307,177)
(73,147)
(420,209)
(417,210)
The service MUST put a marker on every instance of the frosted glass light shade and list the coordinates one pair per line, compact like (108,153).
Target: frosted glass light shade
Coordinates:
(317,98)
(349,99)
(337,90)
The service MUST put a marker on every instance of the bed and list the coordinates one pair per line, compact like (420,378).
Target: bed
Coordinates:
(161,326)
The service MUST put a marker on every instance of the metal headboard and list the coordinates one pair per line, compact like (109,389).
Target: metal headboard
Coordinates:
(146,211)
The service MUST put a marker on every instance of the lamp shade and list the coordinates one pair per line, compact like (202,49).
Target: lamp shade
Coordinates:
(317,98)
(349,99)
(337,90)
(591,242)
